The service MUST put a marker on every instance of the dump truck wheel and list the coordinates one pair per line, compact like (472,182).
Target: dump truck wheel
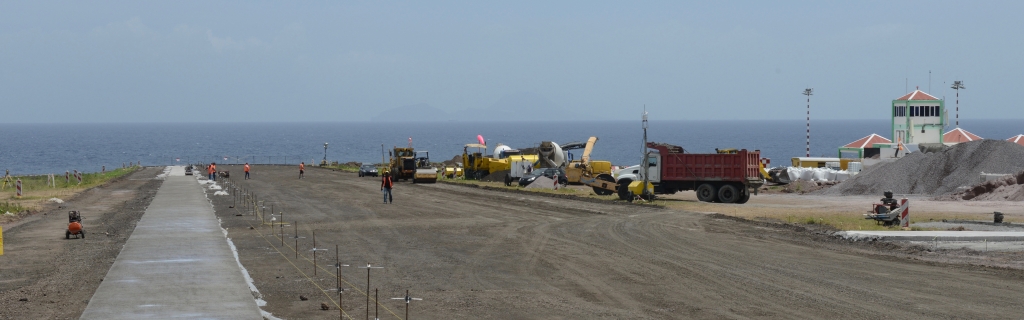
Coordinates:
(623,189)
(707,193)
(604,192)
(728,194)
(744,198)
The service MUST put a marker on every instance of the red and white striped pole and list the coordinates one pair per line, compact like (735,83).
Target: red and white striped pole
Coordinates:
(17,186)
(808,92)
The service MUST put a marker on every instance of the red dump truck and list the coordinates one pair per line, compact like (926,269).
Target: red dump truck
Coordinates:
(717,177)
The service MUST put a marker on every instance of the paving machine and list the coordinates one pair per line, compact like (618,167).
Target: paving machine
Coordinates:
(74,226)
(890,212)
(403,164)
(425,173)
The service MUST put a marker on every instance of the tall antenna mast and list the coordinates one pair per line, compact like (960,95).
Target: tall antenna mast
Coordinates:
(808,92)
(646,163)
(957,85)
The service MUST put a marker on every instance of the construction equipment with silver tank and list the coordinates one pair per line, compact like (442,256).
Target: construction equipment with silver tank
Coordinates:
(596,174)
(478,164)
(425,171)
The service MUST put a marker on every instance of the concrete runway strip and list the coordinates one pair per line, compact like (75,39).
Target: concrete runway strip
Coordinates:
(935,235)
(176,264)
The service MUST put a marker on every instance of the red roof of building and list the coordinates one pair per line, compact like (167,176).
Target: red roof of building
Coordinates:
(917,95)
(959,135)
(867,142)
(1018,139)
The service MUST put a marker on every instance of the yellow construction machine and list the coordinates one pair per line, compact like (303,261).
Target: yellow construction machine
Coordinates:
(596,174)
(425,171)
(475,165)
(403,164)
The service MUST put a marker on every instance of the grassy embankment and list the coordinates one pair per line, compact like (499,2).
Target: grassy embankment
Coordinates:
(36,191)
(800,214)
(342,167)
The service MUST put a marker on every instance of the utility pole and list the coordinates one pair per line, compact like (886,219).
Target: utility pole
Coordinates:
(325,153)
(808,92)
(957,85)
(646,162)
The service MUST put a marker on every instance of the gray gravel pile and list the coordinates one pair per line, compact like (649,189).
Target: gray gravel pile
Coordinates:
(937,173)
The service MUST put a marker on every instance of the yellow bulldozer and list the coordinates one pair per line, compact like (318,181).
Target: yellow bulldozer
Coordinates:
(596,174)
(403,164)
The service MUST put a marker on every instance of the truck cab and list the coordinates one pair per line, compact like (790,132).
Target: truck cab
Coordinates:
(636,173)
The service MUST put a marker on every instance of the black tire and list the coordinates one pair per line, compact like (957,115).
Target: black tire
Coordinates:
(623,189)
(707,193)
(67,234)
(744,198)
(728,194)
(604,192)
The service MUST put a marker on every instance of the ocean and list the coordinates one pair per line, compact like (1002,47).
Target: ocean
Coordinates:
(54,148)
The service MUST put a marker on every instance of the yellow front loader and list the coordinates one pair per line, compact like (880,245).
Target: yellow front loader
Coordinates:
(596,174)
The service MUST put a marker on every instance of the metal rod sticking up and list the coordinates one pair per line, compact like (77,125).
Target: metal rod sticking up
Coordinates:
(407,299)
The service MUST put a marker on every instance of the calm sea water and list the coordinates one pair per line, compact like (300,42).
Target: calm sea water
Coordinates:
(54,148)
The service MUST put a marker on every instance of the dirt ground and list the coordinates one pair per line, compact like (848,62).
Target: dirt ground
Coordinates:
(57,277)
(472,253)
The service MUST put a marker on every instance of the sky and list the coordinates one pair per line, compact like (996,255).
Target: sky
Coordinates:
(311,61)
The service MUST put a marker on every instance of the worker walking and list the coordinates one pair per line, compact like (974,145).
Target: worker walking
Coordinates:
(302,169)
(385,187)
(246,171)
(212,170)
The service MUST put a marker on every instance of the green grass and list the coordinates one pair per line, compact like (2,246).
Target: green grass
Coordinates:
(10,207)
(38,183)
(344,168)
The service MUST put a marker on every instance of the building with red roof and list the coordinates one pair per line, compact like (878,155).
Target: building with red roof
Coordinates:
(959,135)
(1018,139)
(918,117)
(862,143)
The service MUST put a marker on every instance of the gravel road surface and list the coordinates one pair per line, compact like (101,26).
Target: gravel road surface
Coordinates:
(473,253)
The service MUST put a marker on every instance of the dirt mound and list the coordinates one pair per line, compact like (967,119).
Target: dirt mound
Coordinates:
(497,176)
(937,173)
(453,162)
(1010,188)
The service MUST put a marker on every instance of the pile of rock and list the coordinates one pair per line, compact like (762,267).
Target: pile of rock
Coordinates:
(1009,188)
(937,173)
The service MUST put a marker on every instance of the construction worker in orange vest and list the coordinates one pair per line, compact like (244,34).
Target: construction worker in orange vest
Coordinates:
(212,169)
(302,169)
(246,171)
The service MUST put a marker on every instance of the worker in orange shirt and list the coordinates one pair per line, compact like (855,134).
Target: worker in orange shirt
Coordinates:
(302,169)
(212,169)
(246,171)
